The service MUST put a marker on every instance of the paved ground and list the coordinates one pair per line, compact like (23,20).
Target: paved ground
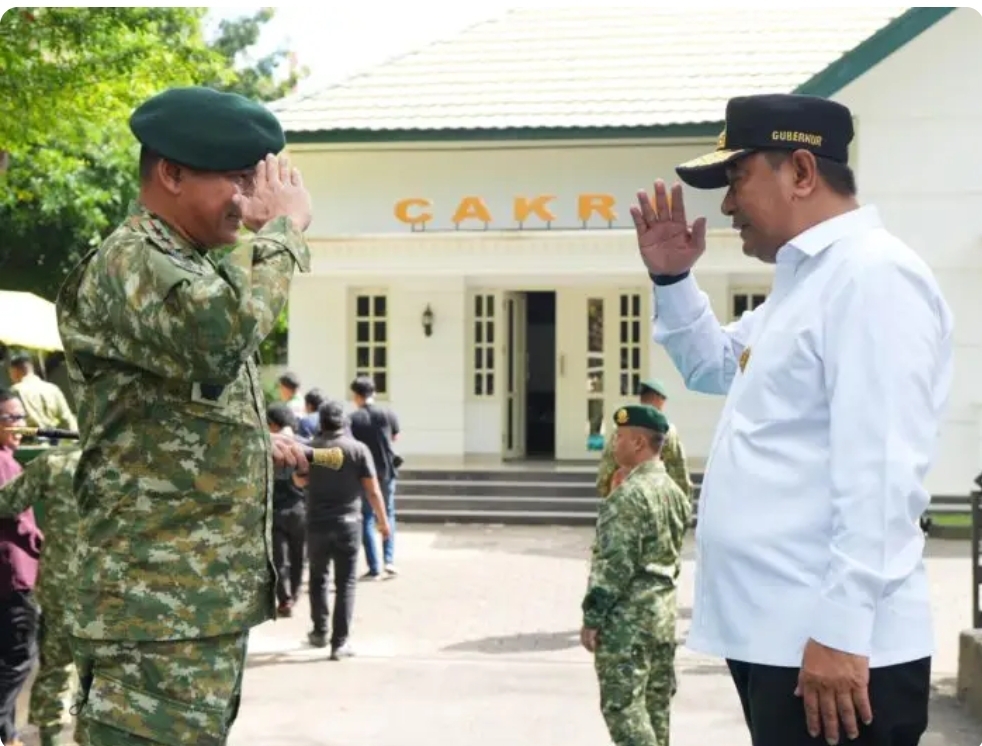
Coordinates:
(475,644)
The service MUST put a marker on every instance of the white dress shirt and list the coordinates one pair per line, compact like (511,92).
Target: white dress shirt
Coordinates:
(808,514)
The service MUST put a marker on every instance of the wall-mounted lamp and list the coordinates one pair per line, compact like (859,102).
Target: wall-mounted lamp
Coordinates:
(428,320)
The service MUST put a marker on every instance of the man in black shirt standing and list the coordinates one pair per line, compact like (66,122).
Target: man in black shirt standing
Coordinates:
(342,475)
(289,513)
(377,428)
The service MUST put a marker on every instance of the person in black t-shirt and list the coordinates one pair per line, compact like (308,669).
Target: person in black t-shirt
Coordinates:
(341,476)
(289,515)
(377,428)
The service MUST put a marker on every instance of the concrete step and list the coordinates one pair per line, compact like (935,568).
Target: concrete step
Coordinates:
(569,474)
(508,503)
(412,487)
(510,517)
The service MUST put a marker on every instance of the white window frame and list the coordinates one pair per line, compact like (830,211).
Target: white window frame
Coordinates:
(747,291)
(371,369)
(489,350)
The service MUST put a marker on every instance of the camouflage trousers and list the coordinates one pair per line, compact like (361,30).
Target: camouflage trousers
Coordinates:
(637,683)
(55,670)
(171,692)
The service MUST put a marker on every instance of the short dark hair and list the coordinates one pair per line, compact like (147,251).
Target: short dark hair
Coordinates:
(280,414)
(290,380)
(314,398)
(839,176)
(331,415)
(364,386)
(148,162)
(8,395)
(655,439)
(21,360)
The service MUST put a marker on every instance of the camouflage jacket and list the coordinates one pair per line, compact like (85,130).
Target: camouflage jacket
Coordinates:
(672,455)
(46,485)
(174,486)
(637,555)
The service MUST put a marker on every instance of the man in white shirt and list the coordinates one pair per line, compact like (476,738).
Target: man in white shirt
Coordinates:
(810,579)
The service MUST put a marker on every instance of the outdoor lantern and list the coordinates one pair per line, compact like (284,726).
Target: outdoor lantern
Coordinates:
(428,320)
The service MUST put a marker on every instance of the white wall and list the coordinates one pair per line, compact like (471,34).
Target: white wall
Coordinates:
(355,190)
(426,374)
(918,117)
(919,161)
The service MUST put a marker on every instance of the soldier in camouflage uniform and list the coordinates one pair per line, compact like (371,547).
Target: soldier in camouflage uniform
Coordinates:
(653,393)
(174,486)
(46,485)
(629,610)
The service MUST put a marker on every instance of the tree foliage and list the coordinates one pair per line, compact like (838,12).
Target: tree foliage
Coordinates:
(69,79)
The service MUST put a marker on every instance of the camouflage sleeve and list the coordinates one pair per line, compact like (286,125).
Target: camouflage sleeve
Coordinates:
(180,322)
(605,472)
(616,551)
(22,491)
(673,456)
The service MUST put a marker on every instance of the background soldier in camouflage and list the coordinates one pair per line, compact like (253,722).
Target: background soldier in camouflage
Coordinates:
(46,485)
(653,393)
(629,610)
(174,485)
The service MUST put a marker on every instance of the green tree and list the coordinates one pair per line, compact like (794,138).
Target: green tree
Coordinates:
(69,78)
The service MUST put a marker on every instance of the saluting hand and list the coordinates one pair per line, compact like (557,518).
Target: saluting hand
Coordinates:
(278,191)
(668,245)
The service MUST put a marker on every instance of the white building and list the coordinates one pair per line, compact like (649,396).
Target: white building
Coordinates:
(486,180)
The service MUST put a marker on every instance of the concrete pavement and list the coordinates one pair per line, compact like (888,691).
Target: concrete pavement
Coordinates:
(475,644)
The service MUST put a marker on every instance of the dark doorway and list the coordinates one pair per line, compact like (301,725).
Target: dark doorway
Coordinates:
(540,340)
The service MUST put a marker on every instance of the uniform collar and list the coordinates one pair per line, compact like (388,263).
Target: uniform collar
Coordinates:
(815,240)
(160,231)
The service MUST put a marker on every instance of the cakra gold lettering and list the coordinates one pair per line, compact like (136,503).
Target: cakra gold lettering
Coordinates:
(806,138)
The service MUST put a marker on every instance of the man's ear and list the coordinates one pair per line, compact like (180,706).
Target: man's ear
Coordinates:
(170,175)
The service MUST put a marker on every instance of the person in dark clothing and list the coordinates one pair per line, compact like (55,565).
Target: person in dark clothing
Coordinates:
(309,423)
(20,551)
(342,474)
(377,428)
(289,518)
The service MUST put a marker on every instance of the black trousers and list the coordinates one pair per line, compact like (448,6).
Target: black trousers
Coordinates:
(18,650)
(337,543)
(289,536)
(776,717)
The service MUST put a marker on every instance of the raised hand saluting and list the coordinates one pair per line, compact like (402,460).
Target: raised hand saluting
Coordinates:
(668,245)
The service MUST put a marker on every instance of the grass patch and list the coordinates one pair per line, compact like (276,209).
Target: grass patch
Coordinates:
(951,520)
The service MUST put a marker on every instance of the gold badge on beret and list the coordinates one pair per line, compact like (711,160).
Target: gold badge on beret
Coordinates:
(744,358)
(621,416)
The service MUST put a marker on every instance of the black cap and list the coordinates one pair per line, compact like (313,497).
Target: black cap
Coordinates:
(331,415)
(779,121)
(207,130)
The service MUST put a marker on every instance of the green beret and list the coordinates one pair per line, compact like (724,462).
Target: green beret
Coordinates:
(654,386)
(641,415)
(207,130)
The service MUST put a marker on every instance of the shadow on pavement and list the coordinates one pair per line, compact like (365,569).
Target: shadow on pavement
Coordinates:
(523,642)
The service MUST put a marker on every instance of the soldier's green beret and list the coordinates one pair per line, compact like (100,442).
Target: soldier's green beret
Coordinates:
(207,130)
(655,386)
(641,415)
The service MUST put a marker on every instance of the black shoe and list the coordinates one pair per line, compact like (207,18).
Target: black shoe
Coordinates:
(371,577)
(343,651)
(317,639)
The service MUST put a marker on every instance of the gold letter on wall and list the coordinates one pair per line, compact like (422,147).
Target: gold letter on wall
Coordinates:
(471,208)
(524,207)
(601,204)
(402,211)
